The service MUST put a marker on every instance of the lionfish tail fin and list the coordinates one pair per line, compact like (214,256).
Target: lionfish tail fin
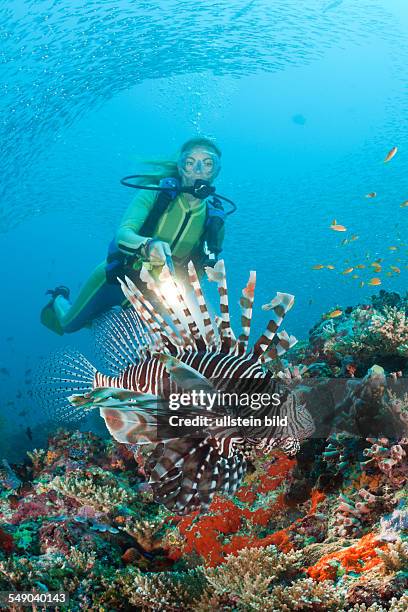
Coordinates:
(65,374)
(279,306)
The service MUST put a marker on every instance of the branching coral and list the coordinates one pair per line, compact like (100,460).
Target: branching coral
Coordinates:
(395,556)
(247,578)
(94,488)
(167,591)
(307,595)
(369,331)
(395,605)
(390,330)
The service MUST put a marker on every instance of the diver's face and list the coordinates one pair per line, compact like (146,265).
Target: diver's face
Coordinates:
(198,163)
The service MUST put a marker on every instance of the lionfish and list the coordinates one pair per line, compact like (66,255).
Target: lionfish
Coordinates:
(153,352)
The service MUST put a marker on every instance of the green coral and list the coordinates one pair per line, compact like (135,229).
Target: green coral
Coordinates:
(94,488)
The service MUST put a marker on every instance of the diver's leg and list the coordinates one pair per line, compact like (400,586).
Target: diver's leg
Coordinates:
(95,297)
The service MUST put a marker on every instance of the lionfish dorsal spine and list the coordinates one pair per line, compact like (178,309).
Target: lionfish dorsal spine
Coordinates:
(163,326)
(129,344)
(227,336)
(153,320)
(153,331)
(246,304)
(199,341)
(183,340)
(280,344)
(209,335)
(283,302)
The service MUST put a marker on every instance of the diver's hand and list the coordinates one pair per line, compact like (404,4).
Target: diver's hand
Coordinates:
(157,252)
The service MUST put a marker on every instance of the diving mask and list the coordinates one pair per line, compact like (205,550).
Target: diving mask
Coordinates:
(208,165)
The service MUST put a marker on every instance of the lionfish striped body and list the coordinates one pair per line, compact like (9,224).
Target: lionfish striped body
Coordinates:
(151,357)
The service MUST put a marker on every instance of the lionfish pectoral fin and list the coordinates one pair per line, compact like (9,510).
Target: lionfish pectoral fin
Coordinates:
(132,422)
(185,474)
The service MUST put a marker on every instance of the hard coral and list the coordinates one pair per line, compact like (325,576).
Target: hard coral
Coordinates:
(248,576)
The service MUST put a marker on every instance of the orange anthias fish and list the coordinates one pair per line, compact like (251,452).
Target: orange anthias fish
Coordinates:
(393,248)
(395,269)
(334,313)
(359,266)
(318,267)
(336,227)
(390,154)
(347,270)
(372,194)
(375,281)
(330,267)
(404,204)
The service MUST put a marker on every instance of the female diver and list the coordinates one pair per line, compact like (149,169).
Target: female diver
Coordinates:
(176,217)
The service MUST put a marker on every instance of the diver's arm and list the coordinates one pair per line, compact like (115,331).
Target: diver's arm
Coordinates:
(128,240)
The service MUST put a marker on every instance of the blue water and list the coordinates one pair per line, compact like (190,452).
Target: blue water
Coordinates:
(304,98)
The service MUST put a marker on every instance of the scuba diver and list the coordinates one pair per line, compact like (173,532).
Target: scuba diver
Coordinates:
(176,217)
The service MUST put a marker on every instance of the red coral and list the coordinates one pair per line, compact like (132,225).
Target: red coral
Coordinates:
(6,542)
(358,558)
(216,534)
(31,509)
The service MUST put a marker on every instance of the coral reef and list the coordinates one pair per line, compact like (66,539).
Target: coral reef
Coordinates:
(83,520)
(364,335)
(324,530)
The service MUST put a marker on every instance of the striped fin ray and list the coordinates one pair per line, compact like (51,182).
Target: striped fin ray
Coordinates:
(117,339)
(280,305)
(192,325)
(209,334)
(246,303)
(232,471)
(186,473)
(281,343)
(184,340)
(163,326)
(71,372)
(146,315)
(218,275)
(142,313)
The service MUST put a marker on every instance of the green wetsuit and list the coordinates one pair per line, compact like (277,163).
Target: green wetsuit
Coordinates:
(181,225)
